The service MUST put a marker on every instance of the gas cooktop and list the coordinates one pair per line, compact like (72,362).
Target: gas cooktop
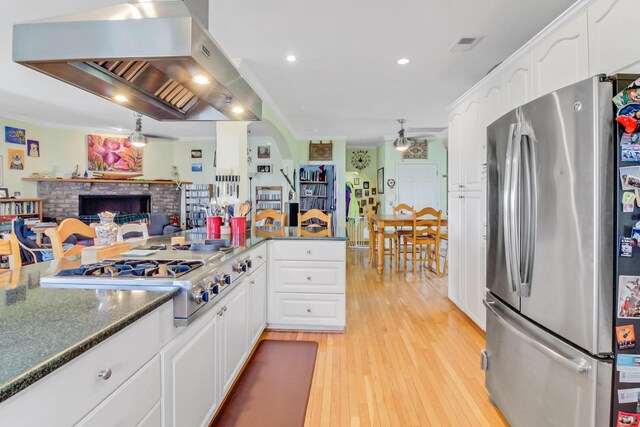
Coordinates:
(132,268)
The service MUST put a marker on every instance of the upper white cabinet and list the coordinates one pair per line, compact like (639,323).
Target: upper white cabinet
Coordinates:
(471,148)
(518,82)
(454,166)
(562,58)
(612,37)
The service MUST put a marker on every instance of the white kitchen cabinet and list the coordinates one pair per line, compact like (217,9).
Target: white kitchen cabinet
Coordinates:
(517,80)
(233,335)
(472,267)
(258,304)
(471,146)
(189,364)
(466,257)
(454,157)
(306,286)
(562,58)
(117,410)
(77,386)
(612,40)
(455,245)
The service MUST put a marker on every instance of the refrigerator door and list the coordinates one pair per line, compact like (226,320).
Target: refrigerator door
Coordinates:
(537,380)
(499,277)
(567,264)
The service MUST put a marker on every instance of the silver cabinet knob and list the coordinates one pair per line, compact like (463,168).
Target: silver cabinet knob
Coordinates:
(253,282)
(259,256)
(308,277)
(105,374)
(220,312)
(224,308)
(308,310)
(308,251)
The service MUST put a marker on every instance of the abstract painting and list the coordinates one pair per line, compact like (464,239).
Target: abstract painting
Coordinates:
(196,167)
(16,159)
(33,148)
(15,135)
(113,154)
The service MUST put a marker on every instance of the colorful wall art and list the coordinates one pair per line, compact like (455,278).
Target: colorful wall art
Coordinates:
(33,148)
(16,159)
(15,135)
(113,153)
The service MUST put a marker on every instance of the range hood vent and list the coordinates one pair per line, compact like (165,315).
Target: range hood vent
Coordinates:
(147,53)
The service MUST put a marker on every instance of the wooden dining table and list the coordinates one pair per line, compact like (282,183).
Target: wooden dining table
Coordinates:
(390,220)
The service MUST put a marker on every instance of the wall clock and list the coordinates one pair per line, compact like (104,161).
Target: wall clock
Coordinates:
(360,159)
(391,182)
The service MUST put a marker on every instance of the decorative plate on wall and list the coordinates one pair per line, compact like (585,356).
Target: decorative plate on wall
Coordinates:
(417,150)
(360,159)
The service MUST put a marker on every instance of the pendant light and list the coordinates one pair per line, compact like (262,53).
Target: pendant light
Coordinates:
(401,143)
(137,138)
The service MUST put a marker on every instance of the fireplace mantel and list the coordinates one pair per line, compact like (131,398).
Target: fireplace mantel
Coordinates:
(119,181)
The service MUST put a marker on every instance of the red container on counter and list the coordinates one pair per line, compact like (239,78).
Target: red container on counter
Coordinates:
(213,224)
(238,224)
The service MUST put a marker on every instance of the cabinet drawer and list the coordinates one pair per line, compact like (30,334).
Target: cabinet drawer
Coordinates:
(77,387)
(131,403)
(258,256)
(312,277)
(290,309)
(308,250)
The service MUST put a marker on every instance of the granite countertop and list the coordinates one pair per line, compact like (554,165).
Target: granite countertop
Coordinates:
(44,328)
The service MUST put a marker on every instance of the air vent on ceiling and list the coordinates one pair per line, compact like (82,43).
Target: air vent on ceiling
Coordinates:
(465,44)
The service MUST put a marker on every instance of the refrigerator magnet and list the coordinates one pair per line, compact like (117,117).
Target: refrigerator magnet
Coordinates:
(628,200)
(626,419)
(628,177)
(628,301)
(630,155)
(626,247)
(625,337)
(630,140)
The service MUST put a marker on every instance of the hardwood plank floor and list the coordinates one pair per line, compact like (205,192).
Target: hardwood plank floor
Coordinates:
(409,357)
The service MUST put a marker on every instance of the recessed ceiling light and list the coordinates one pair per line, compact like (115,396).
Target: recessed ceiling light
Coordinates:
(237,110)
(120,98)
(291,58)
(402,61)
(201,80)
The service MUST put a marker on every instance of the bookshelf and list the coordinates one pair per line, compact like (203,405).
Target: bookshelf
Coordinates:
(313,195)
(27,208)
(269,198)
(317,189)
(196,195)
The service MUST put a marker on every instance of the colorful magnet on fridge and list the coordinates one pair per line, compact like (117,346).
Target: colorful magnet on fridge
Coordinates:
(630,124)
(625,337)
(626,247)
(626,419)
(628,199)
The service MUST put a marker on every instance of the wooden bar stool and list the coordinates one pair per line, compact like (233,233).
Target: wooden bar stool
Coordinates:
(273,223)
(318,224)
(9,246)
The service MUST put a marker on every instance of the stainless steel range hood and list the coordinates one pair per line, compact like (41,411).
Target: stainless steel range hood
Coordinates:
(151,53)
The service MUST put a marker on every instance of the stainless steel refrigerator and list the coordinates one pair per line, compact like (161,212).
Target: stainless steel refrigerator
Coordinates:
(551,258)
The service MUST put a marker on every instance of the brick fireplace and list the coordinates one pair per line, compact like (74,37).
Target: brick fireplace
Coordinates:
(61,198)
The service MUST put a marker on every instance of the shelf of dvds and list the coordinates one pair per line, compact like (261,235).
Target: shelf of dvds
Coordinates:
(28,208)
(269,198)
(196,196)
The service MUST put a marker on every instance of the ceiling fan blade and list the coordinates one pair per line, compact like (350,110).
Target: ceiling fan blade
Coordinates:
(167,137)
(431,130)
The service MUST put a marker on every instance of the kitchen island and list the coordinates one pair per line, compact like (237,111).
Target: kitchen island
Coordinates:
(58,345)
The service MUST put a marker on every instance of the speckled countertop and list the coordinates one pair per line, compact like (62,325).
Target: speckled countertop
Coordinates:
(41,329)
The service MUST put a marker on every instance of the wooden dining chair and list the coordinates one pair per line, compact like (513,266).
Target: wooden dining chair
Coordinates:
(425,233)
(66,228)
(403,209)
(9,246)
(273,226)
(318,223)
(125,229)
(393,250)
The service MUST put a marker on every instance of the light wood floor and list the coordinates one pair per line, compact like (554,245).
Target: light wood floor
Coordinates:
(409,357)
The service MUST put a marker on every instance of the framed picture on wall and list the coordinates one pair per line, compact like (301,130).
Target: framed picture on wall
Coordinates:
(264,152)
(366,193)
(380,181)
(33,148)
(356,181)
(4,193)
(264,168)
(370,200)
(363,203)
(196,167)
(365,185)
(373,191)
(196,154)
(358,193)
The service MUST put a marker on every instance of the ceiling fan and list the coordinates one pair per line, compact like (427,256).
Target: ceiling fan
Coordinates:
(139,139)
(420,135)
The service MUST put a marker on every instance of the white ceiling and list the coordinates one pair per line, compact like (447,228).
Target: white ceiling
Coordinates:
(345,84)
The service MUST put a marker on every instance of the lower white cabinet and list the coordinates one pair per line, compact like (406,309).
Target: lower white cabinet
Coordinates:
(233,332)
(307,285)
(143,388)
(257,304)
(189,374)
(466,256)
